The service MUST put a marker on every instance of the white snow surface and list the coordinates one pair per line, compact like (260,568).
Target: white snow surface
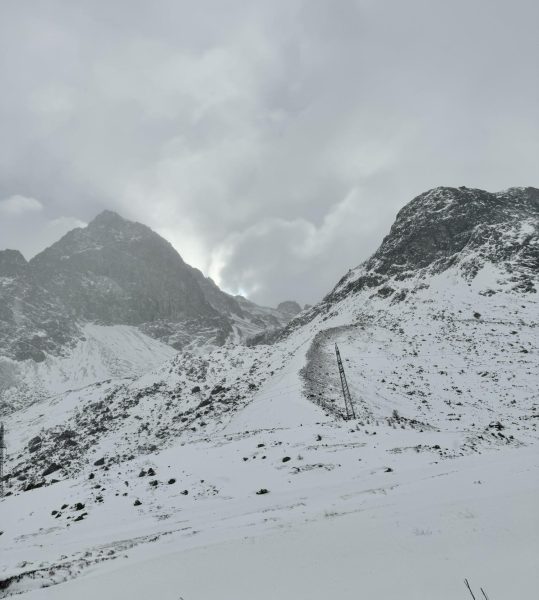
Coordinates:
(105,352)
(436,480)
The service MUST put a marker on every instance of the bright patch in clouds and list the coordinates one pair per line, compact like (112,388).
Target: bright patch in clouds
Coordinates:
(271,142)
(19,205)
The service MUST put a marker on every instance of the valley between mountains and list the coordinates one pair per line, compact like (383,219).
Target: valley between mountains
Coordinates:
(166,439)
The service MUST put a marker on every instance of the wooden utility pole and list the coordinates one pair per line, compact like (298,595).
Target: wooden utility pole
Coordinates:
(350,413)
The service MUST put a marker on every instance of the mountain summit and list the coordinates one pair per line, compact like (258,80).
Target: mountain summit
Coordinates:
(449,228)
(116,272)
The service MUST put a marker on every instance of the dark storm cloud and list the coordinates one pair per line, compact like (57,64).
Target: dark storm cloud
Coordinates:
(271,142)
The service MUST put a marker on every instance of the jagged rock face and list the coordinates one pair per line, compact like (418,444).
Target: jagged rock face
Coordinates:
(115,272)
(439,224)
(447,227)
(444,225)
(33,321)
(118,272)
(12,263)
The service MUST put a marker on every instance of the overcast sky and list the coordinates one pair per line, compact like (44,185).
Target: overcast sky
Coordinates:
(271,142)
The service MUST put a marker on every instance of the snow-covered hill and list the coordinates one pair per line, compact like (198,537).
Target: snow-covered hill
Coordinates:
(102,354)
(165,472)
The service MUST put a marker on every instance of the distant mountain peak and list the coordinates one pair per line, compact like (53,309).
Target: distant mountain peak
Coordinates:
(289,307)
(12,262)
(107,218)
(116,272)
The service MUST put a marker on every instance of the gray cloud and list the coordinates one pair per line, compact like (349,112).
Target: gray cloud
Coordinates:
(271,142)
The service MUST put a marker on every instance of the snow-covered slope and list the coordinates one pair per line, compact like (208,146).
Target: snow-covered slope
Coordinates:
(438,333)
(103,353)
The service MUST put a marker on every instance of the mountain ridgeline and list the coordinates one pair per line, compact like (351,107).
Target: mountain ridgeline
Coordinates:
(443,228)
(116,272)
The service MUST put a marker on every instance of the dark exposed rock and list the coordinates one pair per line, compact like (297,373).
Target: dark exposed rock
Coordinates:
(67,434)
(12,263)
(33,486)
(51,469)
(80,517)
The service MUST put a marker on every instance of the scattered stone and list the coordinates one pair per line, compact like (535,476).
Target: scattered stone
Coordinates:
(51,469)
(80,517)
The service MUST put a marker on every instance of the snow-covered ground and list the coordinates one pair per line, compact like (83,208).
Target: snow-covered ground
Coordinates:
(354,510)
(234,475)
(105,352)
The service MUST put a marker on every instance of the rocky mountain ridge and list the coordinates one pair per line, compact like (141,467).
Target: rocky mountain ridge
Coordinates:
(116,272)
(443,228)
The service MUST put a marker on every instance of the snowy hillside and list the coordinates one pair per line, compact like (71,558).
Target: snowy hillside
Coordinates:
(103,353)
(208,464)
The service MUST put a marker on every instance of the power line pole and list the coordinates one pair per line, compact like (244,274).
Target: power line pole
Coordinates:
(2,449)
(350,413)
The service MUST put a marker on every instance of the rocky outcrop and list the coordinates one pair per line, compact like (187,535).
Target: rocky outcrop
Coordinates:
(447,227)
